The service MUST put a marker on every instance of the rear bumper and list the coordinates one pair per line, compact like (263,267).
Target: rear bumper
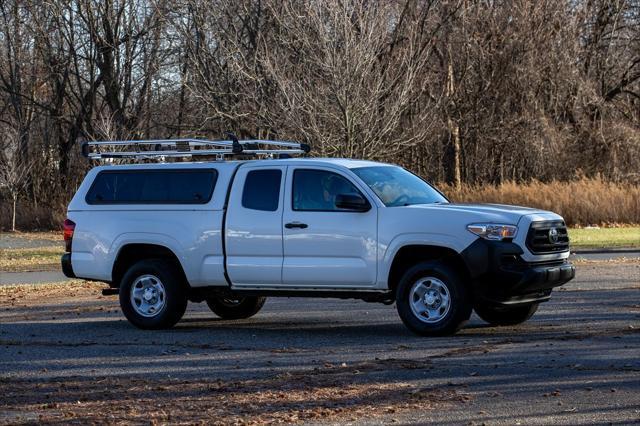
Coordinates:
(67,270)
(501,277)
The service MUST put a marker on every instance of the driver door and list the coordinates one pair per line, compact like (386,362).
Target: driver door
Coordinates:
(326,247)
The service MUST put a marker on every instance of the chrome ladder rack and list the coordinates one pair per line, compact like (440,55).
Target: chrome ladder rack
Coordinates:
(158,148)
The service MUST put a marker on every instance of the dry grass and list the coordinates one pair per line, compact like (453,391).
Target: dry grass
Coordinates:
(69,288)
(37,235)
(582,202)
(30,259)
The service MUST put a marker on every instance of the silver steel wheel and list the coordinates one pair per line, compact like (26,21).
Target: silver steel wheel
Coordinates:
(429,299)
(148,296)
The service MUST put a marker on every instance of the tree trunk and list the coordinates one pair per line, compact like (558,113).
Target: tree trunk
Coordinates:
(501,174)
(13,217)
(454,128)
(454,134)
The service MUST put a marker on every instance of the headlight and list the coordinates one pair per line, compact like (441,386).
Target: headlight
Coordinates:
(493,231)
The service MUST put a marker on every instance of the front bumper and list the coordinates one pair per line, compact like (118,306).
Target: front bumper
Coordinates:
(67,270)
(501,277)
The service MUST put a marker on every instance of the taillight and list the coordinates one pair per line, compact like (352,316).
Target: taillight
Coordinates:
(68,227)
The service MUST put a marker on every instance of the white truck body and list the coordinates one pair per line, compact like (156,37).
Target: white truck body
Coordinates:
(221,244)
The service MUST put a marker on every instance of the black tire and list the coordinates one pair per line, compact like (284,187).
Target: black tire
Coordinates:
(175,297)
(236,308)
(453,318)
(496,315)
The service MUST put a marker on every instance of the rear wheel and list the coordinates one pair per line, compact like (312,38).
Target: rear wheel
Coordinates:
(152,294)
(498,315)
(236,308)
(432,300)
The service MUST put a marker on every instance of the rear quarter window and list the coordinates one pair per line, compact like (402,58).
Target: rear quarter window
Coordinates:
(153,187)
(262,190)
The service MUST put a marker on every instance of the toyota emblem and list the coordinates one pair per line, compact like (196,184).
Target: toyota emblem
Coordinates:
(553,235)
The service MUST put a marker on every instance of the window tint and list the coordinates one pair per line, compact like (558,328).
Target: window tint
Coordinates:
(153,187)
(262,190)
(316,190)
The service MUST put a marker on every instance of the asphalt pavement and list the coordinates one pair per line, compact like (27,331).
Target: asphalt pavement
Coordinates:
(575,362)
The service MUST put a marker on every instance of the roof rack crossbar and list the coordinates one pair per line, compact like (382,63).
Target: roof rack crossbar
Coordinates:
(97,150)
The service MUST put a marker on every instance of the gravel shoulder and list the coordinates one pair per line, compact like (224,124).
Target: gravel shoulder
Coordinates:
(68,355)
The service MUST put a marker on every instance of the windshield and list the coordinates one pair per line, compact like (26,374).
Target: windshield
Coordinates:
(396,186)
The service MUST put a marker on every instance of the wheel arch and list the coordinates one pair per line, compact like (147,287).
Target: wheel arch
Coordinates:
(131,253)
(411,254)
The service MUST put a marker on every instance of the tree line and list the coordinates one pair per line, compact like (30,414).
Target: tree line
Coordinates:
(460,91)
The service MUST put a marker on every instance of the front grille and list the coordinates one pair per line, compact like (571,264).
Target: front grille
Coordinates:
(539,240)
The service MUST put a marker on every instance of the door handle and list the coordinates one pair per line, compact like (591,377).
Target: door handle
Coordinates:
(292,225)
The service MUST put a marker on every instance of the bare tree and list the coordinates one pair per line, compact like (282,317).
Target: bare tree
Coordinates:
(18,79)
(349,77)
(459,91)
(14,171)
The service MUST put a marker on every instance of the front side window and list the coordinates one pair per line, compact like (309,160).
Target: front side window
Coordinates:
(396,186)
(152,187)
(316,190)
(262,190)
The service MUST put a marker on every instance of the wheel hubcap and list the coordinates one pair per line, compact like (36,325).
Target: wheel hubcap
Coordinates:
(148,296)
(430,299)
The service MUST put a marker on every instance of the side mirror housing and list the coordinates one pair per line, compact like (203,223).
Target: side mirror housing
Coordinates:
(352,202)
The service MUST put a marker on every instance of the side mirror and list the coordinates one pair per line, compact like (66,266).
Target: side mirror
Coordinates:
(353,202)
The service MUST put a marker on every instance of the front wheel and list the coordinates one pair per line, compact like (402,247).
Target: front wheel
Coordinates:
(235,308)
(432,300)
(497,315)
(152,294)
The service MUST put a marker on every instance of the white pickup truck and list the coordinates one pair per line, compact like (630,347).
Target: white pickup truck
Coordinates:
(233,232)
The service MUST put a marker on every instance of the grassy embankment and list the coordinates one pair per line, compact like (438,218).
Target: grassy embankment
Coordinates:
(605,237)
(30,251)
(30,259)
